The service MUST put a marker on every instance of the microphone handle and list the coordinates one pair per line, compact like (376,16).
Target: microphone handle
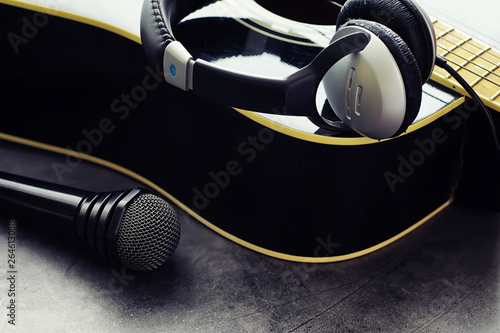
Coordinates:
(46,203)
(150,230)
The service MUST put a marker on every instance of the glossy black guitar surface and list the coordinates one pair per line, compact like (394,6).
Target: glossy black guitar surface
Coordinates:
(282,187)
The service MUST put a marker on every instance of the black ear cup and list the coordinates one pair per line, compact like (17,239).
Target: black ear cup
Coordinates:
(406,62)
(405,19)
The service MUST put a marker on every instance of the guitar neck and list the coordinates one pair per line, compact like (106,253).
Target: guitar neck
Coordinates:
(476,62)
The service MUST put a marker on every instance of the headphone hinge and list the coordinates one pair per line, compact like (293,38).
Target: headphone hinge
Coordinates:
(178,66)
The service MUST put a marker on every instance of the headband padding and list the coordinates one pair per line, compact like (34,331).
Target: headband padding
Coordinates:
(407,65)
(157,19)
(401,16)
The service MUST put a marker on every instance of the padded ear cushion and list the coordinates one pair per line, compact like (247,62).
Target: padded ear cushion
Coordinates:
(406,62)
(158,17)
(402,17)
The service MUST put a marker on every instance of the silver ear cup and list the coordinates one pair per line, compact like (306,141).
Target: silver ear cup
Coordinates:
(366,89)
(406,18)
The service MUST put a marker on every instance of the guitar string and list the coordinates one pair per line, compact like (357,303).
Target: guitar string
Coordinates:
(467,40)
(481,77)
(492,97)
(483,49)
(490,72)
(461,67)
(441,62)
(476,55)
(464,39)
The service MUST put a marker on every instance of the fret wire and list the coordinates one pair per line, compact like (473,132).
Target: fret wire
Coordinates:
(472,62)
(445,32)
(468,50)
(440,36)
(495,96)
(469,60)
(455,45)
(482,51)
(489,71)
(448,30)
(486,74)
(468,70)
(479,45)
(475,82)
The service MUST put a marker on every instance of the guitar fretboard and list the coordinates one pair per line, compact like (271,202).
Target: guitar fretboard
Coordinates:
(476,62)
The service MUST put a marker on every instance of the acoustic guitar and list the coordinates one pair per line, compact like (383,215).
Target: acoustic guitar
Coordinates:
(75,83)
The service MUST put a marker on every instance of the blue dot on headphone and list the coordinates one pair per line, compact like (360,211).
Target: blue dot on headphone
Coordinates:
(173,70)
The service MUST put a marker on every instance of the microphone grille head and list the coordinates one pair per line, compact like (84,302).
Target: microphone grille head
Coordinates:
(149,233)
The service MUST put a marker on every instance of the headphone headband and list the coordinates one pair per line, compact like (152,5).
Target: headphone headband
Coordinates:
(157,19)
(246,91)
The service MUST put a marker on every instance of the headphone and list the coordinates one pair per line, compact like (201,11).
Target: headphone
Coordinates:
(373,69)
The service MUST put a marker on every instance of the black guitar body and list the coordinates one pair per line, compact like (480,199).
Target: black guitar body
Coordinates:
(323,196)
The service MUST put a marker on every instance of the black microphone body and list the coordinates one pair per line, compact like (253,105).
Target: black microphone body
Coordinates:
(131,227)
(32,198)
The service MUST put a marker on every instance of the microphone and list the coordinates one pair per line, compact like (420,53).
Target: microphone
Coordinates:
(133,227)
